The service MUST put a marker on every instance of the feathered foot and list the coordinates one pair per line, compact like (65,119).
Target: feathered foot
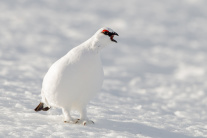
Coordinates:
(84,122)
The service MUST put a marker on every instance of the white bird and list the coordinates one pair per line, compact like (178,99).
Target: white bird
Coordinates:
(73,80)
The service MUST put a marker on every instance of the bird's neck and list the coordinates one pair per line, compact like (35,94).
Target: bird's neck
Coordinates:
(96,44)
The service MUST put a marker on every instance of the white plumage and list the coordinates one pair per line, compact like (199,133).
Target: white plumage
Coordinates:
(73,80)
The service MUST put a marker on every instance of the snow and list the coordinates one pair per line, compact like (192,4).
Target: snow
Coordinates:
(155,76)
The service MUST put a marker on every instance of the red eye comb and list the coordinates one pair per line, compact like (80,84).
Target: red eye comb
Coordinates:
(105,31)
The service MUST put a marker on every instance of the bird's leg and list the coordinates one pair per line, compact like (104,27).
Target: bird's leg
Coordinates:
(67,117)
(83,114)
(83,117)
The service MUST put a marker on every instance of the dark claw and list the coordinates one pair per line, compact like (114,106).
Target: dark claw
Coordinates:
(77,121)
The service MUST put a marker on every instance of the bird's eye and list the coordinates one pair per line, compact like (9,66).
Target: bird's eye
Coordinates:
(106,33)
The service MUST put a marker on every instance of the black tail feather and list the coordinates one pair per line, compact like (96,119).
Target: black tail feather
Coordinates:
(41,107)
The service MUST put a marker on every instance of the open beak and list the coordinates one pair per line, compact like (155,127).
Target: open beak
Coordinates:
(112,34)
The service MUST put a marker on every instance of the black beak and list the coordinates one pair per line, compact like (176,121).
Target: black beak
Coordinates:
(111,35)
(114,33)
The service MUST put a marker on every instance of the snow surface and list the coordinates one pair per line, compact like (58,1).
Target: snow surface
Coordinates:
(155,76)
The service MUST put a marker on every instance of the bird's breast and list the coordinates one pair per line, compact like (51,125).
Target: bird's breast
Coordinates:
(86,72)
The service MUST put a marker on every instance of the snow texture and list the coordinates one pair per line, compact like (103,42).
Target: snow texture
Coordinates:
(155,76)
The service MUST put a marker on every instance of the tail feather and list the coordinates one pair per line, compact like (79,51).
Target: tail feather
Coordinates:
(41,107)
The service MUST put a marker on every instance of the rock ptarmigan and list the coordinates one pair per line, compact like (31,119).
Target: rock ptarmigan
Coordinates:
(73,80)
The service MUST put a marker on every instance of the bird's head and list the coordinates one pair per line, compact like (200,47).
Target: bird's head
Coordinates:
(104,36)
(108,34)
